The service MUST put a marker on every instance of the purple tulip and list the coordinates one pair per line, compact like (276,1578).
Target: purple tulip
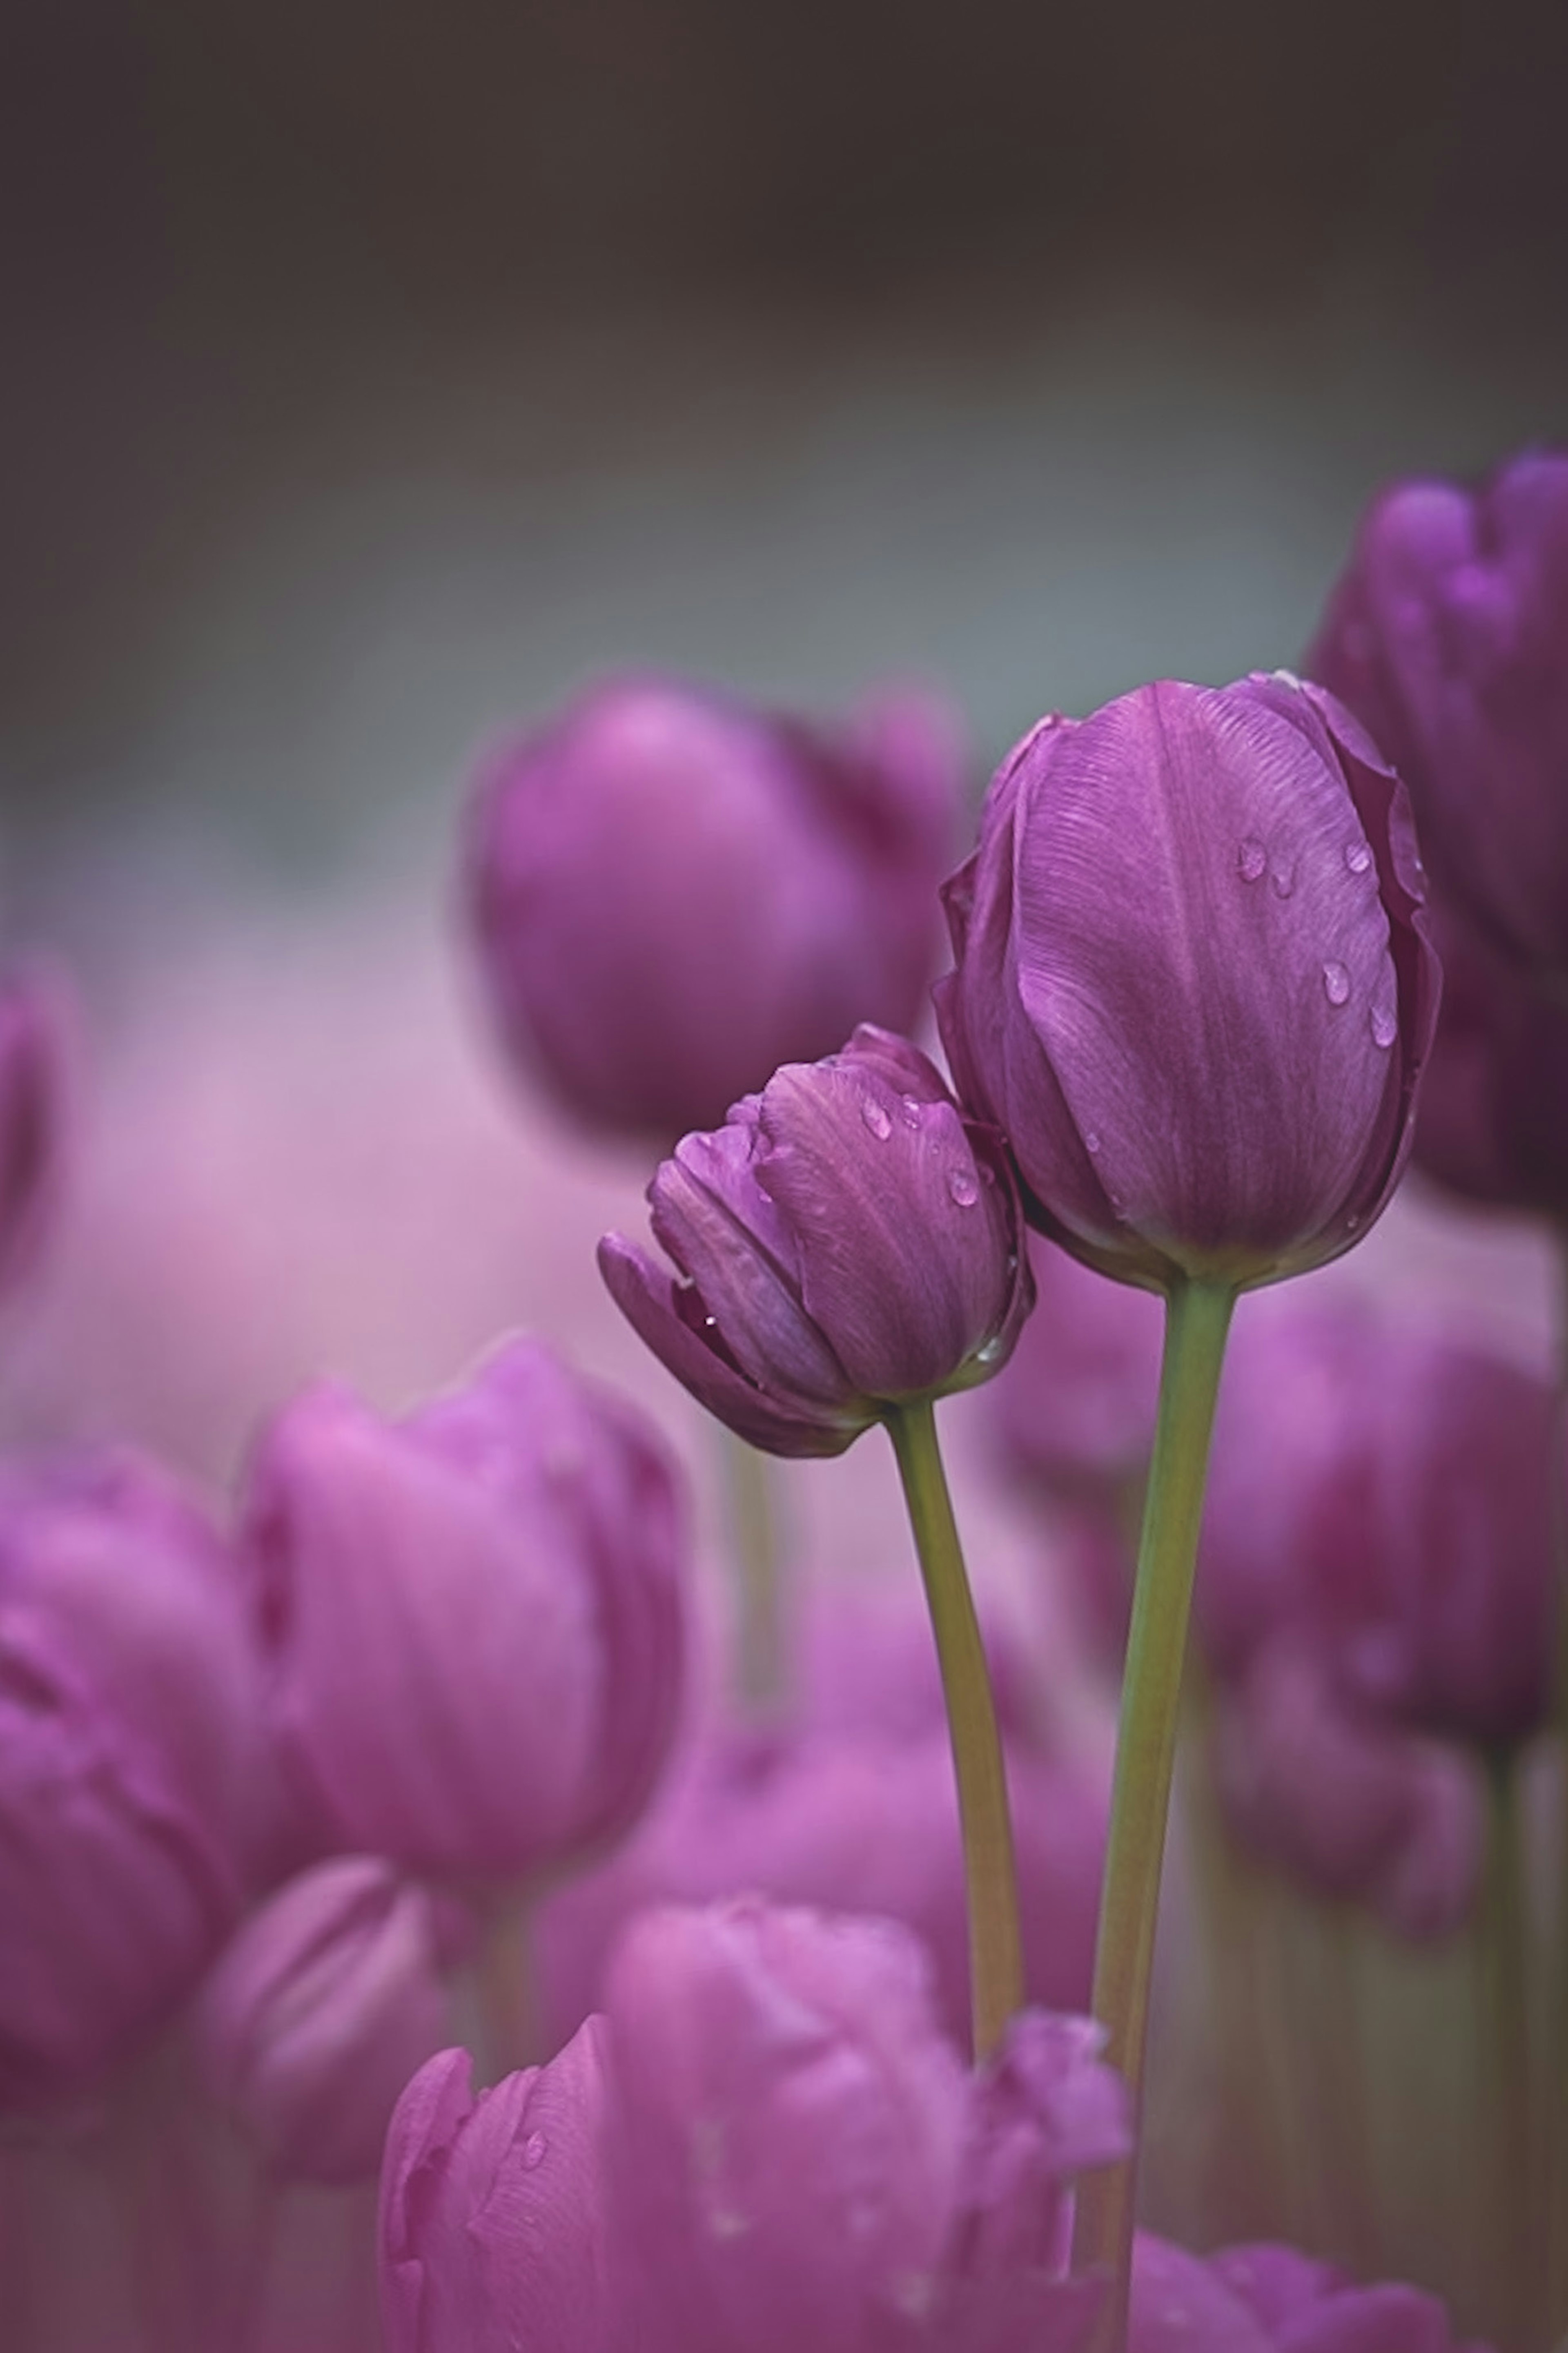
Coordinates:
(674,893)
(326,2003)
(1357,1808)
(33,1057)
(1193,983)
(847,1240)
(473,1616)
(1493,1121)
(492,2224)
(1385,1493)
(1269,2299)
(1448,635)
(130,1760)
(1075,1408)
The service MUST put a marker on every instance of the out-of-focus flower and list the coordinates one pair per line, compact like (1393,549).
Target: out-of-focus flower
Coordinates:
(1384,1490)
(32,1115)
(1192,985)
(1269,2299)
(1353,1807)
(329,1998)
(1493,1119)
(132,1770)
(1448,635)
(492,2223)
(847,1240)
(1075,1408)
(674,893)
(851,1807)
(473,1617)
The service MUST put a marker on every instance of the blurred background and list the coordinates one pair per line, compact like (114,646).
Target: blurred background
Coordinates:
(373,372)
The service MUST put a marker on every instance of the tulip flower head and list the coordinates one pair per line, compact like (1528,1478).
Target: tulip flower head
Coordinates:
(850,1238)
(473,1617)
(1192,985)
(129,1760)
(674,893)
(1447,637)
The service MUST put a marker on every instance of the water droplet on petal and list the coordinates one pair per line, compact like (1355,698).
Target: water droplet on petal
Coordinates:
(1336,984)
(1358,857)
(876,1119)
(1091,1142)
(1384,1026)
(1283,877)
(1251,859)
(912,1111)
(533,2149)
(962,1185)
(1288,677)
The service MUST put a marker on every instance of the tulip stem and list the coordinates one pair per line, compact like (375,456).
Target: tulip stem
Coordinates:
(990,1877)
(1198,1321)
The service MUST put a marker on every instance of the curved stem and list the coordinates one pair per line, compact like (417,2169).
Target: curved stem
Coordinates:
(1198,1320)
(991,1878)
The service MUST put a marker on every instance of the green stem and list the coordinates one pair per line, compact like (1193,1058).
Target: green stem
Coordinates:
(991,1878)
(1198,1320)
(761,1649)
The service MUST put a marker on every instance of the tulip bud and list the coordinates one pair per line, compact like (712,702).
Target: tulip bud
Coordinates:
(492,2227)
(329,1998)
(473,1616)
(847,1240)
(1192,985)
(32,1114)
(1445,636)
(674,893)
(129,1755)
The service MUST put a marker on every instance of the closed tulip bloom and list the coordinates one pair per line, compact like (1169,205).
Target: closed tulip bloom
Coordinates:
(32,1115)
(492,2229)
(673,892)
(1448,635)
(130,1758)
(331,1996)
(473,1616)
(848,1240)
(1193,984)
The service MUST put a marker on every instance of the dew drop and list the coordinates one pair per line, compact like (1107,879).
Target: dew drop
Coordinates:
(533,2149)
(1384,1026)
(912,1111)
(1283,878)
(1091,1143)
(876,1119)
(1336,984)
(961,1185)
(1251,859)
(1288,677)
(1358,857)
